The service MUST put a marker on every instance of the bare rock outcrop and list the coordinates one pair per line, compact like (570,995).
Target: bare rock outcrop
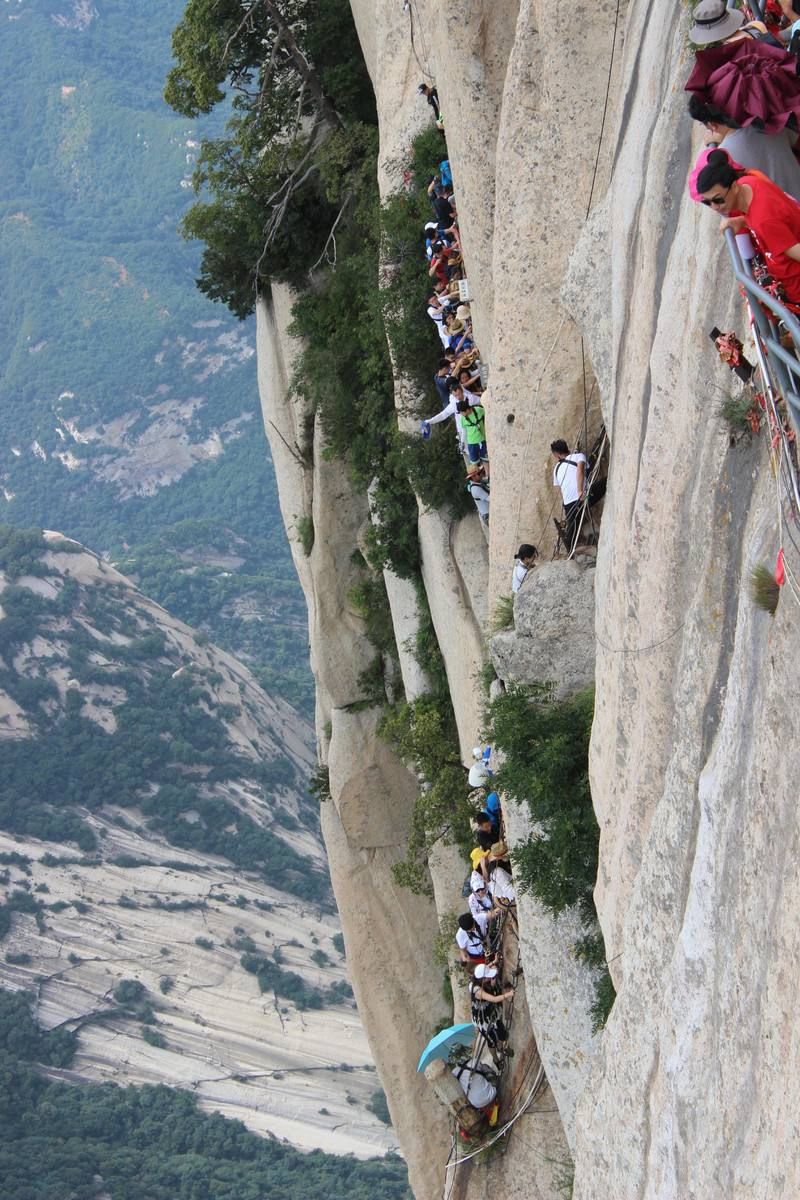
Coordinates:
(552,641)
(152,898)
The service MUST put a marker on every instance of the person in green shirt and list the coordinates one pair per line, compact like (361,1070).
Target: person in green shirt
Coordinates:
(473,425)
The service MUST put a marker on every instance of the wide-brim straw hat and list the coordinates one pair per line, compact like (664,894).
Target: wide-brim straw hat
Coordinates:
(713,22)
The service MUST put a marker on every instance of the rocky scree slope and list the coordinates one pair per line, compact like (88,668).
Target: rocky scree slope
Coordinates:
(164,888)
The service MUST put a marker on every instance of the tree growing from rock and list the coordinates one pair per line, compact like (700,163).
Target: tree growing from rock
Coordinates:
(298,91)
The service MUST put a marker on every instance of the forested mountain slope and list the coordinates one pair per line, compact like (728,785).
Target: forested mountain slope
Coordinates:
(163,885)
(128,406)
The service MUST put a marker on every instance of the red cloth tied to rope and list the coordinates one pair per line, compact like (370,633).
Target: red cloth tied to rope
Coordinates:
(750,81)
(780,569)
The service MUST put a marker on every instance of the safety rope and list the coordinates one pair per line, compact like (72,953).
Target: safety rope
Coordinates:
(412,9)
(585,506)
(504,1128)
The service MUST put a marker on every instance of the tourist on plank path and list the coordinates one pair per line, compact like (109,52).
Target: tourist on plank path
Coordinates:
(742,69)
(478,488)
(569,474)
(432,96)
(524,561)
(486,1001)
(498,868)
(751,202)
(484,841)
(473,423)
(715,23)
(482,906)
(469,941)
(451,410)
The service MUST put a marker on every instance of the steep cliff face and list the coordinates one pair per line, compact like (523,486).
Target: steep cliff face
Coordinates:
(388,930)
(595,284)
(694,758)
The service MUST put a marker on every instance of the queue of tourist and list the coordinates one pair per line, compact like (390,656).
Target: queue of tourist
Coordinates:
(745,90)
(460,376)
(491,898)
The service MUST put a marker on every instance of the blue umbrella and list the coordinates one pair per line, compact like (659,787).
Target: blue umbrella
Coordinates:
(439,1046)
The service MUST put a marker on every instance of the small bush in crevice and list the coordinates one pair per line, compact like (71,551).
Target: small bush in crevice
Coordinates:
(319,785)
(377,1105)
(503,614)
(304,527)
(740,413)
(764,589)
(153,1037)
(591,950)
(424,735)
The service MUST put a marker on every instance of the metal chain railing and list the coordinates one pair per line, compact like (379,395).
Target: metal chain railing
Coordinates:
(776,335)
(782,363)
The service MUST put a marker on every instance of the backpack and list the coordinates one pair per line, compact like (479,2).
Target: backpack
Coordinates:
(473,412)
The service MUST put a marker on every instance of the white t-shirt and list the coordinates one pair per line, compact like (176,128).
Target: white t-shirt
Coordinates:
(437,316)
(481,497)
(478,774)
(518,576)
(480,1092)
(565,476)
(471,942)
(480,909)
(501,886)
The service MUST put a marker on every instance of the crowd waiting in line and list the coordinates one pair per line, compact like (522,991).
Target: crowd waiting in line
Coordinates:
(489,889)
(460,377)
(745,90)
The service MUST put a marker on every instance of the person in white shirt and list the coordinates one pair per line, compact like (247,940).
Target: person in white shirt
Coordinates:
(478,488)
(481,906)
(469,940)
(436,314)
(569,474)
(524,561)
(501,885)
(451,410)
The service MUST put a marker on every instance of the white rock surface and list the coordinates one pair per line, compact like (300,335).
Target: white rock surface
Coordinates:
(559,988)
(389,931)
(269,1065)
(552,641)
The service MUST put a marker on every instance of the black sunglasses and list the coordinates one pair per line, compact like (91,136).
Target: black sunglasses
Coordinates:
(715,200)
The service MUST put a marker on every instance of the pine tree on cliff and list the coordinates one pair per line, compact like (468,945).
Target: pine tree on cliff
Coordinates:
(302,106)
